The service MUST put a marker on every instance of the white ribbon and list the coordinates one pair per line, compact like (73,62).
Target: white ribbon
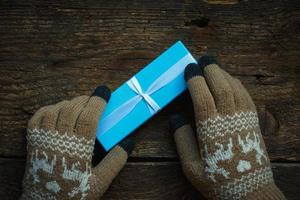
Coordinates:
(123,110)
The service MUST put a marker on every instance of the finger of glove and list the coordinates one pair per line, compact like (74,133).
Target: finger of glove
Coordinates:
(36,119)
(219,88)
(185,140)
(111,165)
(49,120)
(204,105)
(187,149)
(69,113)
(249,104)
(88,119)
(240,99)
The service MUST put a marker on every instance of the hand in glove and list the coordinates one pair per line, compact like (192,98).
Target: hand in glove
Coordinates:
(227,157)
(60,144)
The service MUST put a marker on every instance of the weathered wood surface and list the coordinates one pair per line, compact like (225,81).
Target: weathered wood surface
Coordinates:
(148,180)
(50,52)
(53,50)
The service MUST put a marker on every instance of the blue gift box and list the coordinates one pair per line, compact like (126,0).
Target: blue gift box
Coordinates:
(142,96)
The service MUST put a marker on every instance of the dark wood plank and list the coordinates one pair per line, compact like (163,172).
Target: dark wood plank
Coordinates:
(147,180)
(50,51)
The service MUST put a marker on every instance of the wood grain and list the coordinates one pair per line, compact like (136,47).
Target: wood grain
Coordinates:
(50,51)
(147,180)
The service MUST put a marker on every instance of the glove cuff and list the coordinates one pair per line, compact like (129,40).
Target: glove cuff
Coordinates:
(267,192)
(258,185)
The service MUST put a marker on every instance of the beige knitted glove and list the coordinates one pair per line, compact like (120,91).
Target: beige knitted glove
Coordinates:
(230,160)
(60,147)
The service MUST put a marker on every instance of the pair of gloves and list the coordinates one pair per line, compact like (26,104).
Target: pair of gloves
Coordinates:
(225,159)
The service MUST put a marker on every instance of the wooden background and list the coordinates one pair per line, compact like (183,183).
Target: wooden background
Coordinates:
(50,51)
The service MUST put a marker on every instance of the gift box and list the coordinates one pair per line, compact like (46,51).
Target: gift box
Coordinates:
(142,96)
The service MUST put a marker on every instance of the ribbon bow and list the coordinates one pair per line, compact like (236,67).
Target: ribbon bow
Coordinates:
(136,87)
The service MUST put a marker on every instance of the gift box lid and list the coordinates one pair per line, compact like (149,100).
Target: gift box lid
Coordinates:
(142,96)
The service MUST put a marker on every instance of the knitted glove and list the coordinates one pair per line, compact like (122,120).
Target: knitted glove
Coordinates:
(230,160)
(60,147)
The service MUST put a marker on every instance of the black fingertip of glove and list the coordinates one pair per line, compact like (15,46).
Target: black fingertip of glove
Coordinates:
(103,92)
(206,60)
(192,70)
(127,145)
(176,121)
(98,154)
